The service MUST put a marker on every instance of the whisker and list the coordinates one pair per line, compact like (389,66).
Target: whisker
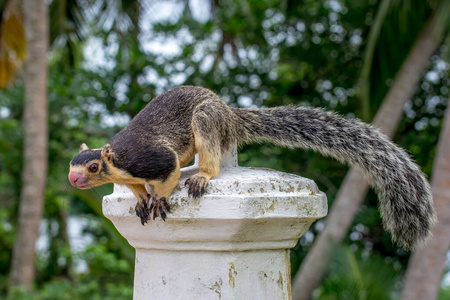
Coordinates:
(95,192)
(63,187)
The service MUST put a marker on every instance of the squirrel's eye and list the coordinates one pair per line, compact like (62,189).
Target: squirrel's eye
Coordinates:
(93,168)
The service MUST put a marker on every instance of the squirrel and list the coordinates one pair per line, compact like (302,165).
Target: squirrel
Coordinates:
(184,121)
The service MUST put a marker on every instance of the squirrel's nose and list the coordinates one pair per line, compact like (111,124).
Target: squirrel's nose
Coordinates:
(74,177)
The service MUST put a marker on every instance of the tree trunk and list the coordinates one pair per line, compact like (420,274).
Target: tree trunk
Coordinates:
(423,276)
(354,187)
(35,154)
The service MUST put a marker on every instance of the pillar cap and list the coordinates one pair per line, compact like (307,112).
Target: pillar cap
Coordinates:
(242,209)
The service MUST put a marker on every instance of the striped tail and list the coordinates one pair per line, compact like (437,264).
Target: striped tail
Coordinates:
(406,202)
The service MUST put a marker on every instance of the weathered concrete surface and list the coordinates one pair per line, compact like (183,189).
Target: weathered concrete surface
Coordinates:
(232,243)
(263,274)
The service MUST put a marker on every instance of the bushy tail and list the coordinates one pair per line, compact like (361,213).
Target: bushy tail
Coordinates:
(406,202)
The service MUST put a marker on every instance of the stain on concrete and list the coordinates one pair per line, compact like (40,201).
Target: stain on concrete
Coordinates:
(217,288)
(280,280)
(232,275)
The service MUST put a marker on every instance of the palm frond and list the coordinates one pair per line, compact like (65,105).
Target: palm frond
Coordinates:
(443,21)
(372,40)
(12,42)
(395,28)
(68,27)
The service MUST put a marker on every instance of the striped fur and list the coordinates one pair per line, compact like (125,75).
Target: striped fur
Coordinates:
(406,201)
(187,120)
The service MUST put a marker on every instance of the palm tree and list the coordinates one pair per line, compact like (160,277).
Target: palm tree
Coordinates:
(423,276)
(68,25)
(34,173)
(354,187)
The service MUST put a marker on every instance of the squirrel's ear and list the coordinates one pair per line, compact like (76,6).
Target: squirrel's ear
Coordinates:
(107,153)
(83,147)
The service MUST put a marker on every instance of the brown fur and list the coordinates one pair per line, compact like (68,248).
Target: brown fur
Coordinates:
(187,120)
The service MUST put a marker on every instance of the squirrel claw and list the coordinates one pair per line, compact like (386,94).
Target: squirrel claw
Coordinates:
(197,185)
(142,211)
(159,207)
(166,206)
(162,213)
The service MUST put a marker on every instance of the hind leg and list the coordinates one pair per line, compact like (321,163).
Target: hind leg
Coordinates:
(211,127)
(209,161)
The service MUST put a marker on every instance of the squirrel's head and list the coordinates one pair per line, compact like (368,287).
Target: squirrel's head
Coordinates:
(91,167)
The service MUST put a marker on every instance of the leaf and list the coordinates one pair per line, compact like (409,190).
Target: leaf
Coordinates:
(12,42)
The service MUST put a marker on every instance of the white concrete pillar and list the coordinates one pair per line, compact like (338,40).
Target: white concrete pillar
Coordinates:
(232,243)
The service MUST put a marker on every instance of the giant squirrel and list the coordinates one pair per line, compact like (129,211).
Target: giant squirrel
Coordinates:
(188,120)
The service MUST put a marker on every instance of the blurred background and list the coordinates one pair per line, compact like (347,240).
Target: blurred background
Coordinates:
(76,71)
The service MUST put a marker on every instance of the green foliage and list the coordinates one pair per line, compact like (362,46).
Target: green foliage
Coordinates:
(62,289)
(353,276)
(253,53)
(444,293)
(72,122)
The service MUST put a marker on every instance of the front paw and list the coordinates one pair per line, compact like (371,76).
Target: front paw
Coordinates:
(142,210)
(159,207)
